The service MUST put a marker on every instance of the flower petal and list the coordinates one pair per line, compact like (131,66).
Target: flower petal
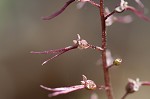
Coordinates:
(62,90)
(59,11)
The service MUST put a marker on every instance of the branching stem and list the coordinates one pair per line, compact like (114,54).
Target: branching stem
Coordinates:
(104,44)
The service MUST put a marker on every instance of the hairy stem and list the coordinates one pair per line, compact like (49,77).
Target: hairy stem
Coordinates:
(104,44)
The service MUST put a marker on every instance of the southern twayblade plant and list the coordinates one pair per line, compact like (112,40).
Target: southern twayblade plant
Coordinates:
(107,61)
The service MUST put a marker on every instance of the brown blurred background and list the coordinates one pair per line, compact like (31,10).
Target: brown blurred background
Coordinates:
(22,31)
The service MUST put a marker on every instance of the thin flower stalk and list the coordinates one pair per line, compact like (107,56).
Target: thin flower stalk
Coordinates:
(146,83)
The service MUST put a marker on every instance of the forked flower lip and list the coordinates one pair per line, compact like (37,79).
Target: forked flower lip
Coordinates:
(78,43)
(64,90)
(59,11)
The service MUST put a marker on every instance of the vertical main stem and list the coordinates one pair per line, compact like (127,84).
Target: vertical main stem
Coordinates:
(104,44)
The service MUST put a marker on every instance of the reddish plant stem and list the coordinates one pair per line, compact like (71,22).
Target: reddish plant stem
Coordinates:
(104,44)
(146,83)
(110,14)
(125,95)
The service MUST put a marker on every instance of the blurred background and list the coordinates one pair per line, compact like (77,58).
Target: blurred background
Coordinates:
(22,31)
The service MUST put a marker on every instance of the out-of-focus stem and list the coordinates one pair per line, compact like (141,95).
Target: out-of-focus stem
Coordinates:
(146,83)
(125,95)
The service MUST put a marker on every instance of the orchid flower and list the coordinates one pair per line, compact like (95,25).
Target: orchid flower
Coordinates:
(124,6)
(87,84)
(112,18)
(79,43)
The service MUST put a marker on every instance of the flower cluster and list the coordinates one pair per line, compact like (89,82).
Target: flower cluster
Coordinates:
(107,19)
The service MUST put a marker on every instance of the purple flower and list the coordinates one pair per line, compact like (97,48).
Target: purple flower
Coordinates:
(88,84)
(134,86)
(81,3)
(124,6)
(62,90)
(58,52)
(110,18)
(79,43)
(59,11)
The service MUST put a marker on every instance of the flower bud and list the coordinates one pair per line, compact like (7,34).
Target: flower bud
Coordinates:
(117,61)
